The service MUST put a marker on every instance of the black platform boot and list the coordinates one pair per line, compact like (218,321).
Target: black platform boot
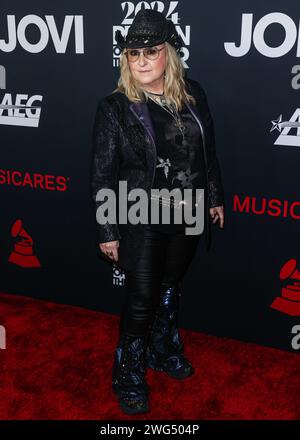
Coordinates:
(128,375)
(165,346)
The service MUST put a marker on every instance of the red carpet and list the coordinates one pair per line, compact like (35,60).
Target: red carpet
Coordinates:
(57,365)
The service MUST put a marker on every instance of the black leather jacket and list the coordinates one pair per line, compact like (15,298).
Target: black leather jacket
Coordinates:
(124,149)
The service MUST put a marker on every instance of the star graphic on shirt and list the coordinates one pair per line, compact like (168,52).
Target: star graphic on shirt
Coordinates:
(185,177)
(165,164)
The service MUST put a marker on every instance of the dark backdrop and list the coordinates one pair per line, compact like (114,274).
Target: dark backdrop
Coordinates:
(227,292)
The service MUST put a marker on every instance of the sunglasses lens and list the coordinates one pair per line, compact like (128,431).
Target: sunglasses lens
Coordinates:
(150,53)
(132,54)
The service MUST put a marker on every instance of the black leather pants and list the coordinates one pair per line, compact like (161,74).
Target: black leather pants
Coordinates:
(165,258)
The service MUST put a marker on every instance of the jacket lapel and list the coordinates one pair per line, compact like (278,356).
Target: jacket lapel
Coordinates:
(141,111)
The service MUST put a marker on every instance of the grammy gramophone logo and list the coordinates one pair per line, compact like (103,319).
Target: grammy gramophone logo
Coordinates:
(289,301)
(22,253)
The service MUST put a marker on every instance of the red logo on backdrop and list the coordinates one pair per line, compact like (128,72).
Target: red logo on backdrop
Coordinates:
(289,301)
(22,255)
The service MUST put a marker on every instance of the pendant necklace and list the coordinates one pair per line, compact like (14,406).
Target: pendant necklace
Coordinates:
(170,108)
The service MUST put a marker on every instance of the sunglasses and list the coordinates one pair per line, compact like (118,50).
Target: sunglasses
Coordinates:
(151,53)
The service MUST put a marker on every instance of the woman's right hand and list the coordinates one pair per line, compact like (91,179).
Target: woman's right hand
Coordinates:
(110,249)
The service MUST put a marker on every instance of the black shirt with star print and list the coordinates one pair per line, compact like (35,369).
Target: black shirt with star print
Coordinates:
(180,161)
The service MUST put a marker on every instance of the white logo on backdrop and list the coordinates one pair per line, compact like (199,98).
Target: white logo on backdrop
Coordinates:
(2,77)
(2,337)
(284,127)
(295,342)
(71,34)
(170,11)
(256,34)
(19,110)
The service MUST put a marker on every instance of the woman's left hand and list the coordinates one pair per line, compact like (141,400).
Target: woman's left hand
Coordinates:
(217,213)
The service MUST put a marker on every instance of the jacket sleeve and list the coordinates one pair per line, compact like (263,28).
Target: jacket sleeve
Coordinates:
(215,186)
(105,163)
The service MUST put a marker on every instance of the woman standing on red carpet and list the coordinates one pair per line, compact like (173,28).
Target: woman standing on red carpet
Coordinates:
(154,131)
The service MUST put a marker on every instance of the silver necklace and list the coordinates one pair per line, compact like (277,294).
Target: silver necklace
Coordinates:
(170,108)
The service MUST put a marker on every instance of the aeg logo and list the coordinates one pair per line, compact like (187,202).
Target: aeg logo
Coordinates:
(257,35)
(18,109)
(46,28)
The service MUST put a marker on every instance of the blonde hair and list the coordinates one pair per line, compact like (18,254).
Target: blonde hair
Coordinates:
(174,86)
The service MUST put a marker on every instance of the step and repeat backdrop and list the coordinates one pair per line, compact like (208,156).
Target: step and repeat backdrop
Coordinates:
(57,61)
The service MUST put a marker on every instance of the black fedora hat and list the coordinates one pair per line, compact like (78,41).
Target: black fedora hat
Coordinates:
(150,28)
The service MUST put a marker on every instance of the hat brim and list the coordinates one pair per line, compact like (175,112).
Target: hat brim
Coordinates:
(140,41)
